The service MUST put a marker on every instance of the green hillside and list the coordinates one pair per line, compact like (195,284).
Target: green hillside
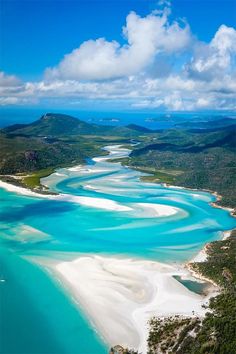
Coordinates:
(32,151)
(216,332)
(57,125)
(54,124)
(204,160)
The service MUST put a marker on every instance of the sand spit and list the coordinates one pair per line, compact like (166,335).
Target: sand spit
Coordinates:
(120,295)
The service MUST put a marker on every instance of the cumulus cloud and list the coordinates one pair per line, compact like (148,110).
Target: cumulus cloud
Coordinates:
(161,66)
(6,101)
(174,92)
(145,37)
(217,57)
(12,101)
(8,80)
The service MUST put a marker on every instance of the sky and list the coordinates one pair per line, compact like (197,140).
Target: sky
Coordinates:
(177,55)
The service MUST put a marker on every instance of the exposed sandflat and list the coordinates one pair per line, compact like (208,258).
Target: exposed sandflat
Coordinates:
(120,295)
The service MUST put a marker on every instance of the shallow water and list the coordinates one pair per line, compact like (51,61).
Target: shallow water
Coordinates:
(194,286)
(38,316)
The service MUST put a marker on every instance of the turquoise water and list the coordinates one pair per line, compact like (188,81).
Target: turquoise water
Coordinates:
(38,316)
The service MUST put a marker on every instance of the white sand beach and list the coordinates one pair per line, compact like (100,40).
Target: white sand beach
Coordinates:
(151,210)
(157,210)
(84,170)
(201,256)
(19,190)
(148,209)
(115,151)
(100,159)
(121,295)
(226,234)
(100,203)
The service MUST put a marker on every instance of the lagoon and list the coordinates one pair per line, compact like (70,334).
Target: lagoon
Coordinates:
(102,210)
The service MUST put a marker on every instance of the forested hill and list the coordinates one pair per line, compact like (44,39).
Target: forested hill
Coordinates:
(195,159)
(57,125)
(55,140)
(53,125)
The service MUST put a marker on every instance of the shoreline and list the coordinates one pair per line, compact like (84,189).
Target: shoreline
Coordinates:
(34,192)
(140,289)
(213,204)
(100,203)
(219,197)
(169,185)
(142,285)
(43,189)
(23,190)
(10,187)
(201,257)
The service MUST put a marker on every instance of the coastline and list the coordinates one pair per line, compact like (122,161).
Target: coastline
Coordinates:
(140,289)
(129,282)
(42,189)
(109,205)
(35,192)
(218,197)
(201,257)
(100,203)
(23,190)
(232,211)
(215,204)
(10,187)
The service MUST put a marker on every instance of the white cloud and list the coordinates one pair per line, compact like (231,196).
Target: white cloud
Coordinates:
(5,101)
(217,57)
(12,101)
(146,37)
(152,70)
(8,80)
(174,92)
(203,102)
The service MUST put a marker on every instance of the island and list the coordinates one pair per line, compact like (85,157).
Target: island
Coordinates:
(180,157)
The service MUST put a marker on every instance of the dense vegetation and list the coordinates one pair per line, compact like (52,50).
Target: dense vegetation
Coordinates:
(190,156)
(195,158)
(118,349)
(204,160)
(35,150)
(170,335)
(216,333)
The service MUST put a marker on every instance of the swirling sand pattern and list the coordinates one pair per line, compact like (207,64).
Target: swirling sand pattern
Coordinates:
(105,220)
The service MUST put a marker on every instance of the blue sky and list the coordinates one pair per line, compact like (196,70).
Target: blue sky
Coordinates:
(36,35)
